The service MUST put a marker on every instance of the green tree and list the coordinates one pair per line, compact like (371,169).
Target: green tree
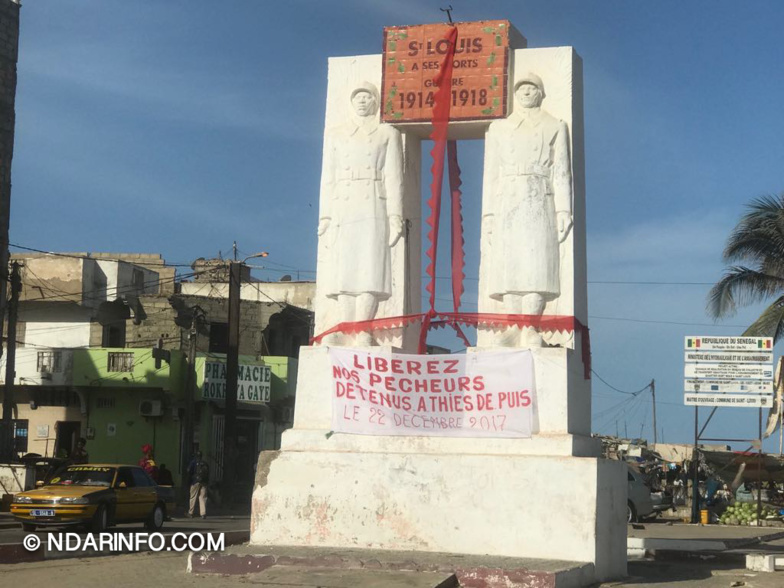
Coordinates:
(756,251)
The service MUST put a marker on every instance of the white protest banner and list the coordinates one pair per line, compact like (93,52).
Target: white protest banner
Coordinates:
(483,394)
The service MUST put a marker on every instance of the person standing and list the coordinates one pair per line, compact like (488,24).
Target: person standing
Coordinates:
(147,463)
(199,473)
(79,454)
(528,207)
(361,209)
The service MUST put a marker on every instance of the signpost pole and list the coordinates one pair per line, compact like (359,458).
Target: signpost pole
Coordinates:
(759,471)
(695,485)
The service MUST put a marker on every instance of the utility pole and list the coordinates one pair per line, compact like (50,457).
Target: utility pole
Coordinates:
(232,369)
(10,366)
(232,372)
(190,384)
(653,397)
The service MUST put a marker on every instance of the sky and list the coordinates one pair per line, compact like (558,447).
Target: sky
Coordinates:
(180,127)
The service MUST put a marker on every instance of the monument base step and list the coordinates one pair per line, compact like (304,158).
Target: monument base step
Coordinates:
(385,568)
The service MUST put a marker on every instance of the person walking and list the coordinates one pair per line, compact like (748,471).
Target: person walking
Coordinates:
(199,473)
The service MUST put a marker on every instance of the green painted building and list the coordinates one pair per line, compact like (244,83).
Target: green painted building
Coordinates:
(119,401)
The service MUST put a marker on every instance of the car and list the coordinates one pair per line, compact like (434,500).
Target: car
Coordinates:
(661,501)
(95,496)
(639,503)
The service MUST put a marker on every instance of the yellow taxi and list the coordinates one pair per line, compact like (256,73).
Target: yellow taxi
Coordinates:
(96,496)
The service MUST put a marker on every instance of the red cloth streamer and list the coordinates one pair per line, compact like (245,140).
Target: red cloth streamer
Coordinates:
(550,323)
(441,104)
(458,241)
(456,233)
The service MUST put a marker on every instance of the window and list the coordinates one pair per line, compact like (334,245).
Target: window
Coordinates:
(49,361)
(120,362)
(219,338)
(140,477)
(138,280)
(104,403)
(113,335)
(20,435)
(124,475)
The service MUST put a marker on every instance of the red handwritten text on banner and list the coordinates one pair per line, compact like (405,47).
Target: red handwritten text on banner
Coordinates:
(487,394)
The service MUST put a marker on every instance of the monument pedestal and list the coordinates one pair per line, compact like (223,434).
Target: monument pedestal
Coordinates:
(547,497)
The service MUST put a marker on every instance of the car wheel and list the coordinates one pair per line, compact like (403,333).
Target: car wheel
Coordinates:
(631,513)
(100,519)
(29,527)
(157,516)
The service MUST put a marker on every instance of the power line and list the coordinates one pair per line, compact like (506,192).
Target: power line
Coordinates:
(630,320)
(643,389)
(88,256)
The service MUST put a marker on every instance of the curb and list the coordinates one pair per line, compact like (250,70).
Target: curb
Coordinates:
(714,549)
(12,553)
(719,557)
(473,576)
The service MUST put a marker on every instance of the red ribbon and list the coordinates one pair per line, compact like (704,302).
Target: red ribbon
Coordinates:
(549,323)
(441,104)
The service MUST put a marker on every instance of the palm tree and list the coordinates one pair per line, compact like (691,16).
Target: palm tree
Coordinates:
(756,250)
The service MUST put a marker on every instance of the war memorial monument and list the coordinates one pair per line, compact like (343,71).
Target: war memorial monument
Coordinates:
(488,452)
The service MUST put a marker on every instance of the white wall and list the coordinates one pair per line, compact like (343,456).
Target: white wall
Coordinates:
(27,367)
(58,334)
(299,294)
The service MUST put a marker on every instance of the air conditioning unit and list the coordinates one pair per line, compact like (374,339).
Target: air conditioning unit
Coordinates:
(151,408)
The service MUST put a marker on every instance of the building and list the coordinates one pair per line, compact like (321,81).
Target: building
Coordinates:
(85,365)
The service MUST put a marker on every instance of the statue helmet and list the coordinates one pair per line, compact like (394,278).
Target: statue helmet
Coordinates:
(530,78)
(365,87)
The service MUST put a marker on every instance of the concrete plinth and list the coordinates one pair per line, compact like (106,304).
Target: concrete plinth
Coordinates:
(502,505)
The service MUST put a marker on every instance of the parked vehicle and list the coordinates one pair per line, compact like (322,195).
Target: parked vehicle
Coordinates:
(661,501)
(639,503)
(96,496)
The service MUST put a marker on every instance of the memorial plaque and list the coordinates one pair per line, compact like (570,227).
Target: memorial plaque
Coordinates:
(413,56)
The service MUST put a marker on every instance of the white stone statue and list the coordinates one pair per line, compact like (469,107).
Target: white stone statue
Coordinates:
(361,211)
(528,208)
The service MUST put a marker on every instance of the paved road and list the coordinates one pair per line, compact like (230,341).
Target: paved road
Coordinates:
(169,569)
(165,569)
(214,524)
